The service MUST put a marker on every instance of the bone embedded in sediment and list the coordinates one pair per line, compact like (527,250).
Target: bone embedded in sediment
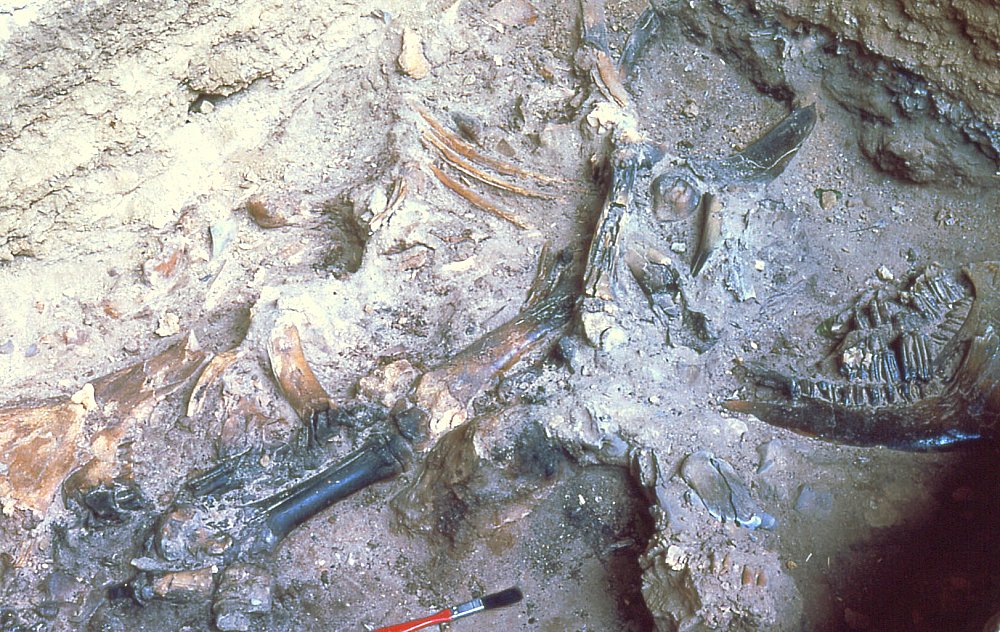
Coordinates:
(433,395)
(294,376)
(37,451)
(388,383)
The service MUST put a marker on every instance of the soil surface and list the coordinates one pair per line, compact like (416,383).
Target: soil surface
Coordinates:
(205,173)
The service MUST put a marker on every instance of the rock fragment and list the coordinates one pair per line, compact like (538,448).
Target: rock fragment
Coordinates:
(723,493)
(412,61)
(514,13)
(244,590)
(170,324)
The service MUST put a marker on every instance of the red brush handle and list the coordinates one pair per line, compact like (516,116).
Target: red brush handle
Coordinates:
(419,624)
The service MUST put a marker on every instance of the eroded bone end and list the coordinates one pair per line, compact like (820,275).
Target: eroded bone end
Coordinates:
(674,197)
(434,394)
(294,376)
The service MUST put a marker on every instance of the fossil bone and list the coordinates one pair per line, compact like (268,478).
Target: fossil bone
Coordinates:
(927,378)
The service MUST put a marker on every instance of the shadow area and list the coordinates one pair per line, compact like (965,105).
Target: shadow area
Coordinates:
(941,574)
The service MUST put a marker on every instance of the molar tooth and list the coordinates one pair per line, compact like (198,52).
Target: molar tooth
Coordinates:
(795,388)
(891,393)
(860,395)
(883,310)
(875,313)
(924,355)
(906,391)
(940,289)
(814,391)
(891,366)
(845,395)
(875,395)
(826,391)
(908,357)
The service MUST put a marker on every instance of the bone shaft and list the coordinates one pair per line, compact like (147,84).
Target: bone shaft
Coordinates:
(380,458)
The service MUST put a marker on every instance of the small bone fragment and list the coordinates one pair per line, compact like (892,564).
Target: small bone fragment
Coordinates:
(85,397)
(215,367)
(169,325)
(411,60)
(386,384)
(264,213)
(400,187)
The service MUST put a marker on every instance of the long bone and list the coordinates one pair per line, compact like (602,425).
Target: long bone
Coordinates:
(200,532)
(205,529)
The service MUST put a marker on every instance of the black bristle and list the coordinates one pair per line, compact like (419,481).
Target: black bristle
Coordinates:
(503,598)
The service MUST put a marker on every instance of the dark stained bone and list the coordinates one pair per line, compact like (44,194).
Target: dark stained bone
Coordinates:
(646,26)
(765,158)
(661,283)
(212,523)
(383,457)
(945,391)
(693,184)
(702,184)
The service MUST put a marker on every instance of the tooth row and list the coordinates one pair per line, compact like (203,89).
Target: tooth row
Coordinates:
(952,323)
(934,295)
(881,363)
(855,395)
(915,357)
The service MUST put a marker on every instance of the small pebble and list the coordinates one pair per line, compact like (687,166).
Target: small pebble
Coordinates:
(885,274)
(31,351)
(169,325)
(827,199)
(7,347)
(759,265)
(679,247)
(85,397)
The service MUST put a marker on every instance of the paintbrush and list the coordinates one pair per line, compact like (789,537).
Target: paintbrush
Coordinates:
(489,602)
